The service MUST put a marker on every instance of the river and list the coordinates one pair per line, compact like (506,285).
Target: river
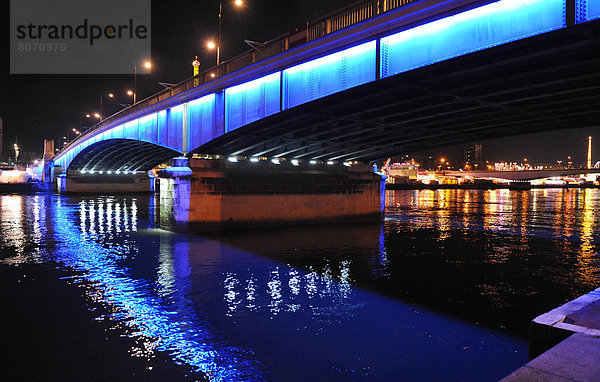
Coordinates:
(443,289)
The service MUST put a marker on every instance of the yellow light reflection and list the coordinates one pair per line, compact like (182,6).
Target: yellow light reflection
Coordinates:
(13,233)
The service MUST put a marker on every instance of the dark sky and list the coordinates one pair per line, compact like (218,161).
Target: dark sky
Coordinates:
(35,107)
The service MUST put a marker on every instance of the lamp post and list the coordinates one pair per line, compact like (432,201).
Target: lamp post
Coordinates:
(211,44)
(81,118)
(146,65)
(110,95)
(441,164)
(87,115)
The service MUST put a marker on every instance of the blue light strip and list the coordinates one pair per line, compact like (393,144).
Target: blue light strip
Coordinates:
(330,74)
(589,10)
(201,114)
(252,100)
(470,31)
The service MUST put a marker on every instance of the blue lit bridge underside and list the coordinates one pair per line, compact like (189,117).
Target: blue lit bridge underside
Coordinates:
(122,155)
(392,85)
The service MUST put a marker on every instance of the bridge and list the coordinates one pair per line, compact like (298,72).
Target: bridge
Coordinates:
(377,79)
(380,78)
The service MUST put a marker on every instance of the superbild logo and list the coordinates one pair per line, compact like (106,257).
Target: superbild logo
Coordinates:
(84,31)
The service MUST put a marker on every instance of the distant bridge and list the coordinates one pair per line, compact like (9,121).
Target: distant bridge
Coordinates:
(377,79)
(522,175)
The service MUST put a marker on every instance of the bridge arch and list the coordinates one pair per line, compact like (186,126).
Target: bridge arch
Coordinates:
(121,155)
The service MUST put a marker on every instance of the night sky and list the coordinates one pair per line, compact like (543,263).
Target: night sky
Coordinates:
(35,107)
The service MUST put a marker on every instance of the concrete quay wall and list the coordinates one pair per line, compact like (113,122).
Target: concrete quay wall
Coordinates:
(217,194)
(564,343)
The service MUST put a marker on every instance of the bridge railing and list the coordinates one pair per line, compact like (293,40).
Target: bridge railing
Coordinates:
(348,16)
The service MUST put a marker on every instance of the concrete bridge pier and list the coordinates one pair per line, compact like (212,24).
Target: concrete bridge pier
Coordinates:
(174,184)
(222,194)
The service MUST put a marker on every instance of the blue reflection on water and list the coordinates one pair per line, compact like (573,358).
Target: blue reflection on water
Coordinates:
(162,327)
(234,315)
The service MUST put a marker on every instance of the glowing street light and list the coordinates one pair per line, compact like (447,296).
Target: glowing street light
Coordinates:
(212,44)
(16,153)
(81,116)
(147,65)
(442,160)
(109,95)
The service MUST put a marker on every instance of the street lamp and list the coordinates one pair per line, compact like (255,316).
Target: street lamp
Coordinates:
(211,44)
(147,65)
(81,119)
(130,93)
(109,95)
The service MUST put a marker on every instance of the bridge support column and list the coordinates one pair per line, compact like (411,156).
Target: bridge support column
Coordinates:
(218,194)
(175,191)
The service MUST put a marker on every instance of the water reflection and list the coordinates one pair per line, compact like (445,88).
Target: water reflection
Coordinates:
(526,251)
(13,235)
(328,302)
(287,289)
(563,213)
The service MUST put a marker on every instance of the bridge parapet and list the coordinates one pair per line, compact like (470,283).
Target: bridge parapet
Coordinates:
(343,18)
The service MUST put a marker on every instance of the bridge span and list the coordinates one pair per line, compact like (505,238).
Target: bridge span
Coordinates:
(380,78)
(372,82)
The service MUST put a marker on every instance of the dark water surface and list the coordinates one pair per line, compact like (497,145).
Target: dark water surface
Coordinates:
(95,288)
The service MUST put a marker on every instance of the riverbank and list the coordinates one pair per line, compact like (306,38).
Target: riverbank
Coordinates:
(568,339)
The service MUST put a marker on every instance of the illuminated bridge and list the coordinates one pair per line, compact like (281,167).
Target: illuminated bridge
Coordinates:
(377,79)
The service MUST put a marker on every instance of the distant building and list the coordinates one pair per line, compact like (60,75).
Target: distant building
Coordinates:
(467,156)
(473,156)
